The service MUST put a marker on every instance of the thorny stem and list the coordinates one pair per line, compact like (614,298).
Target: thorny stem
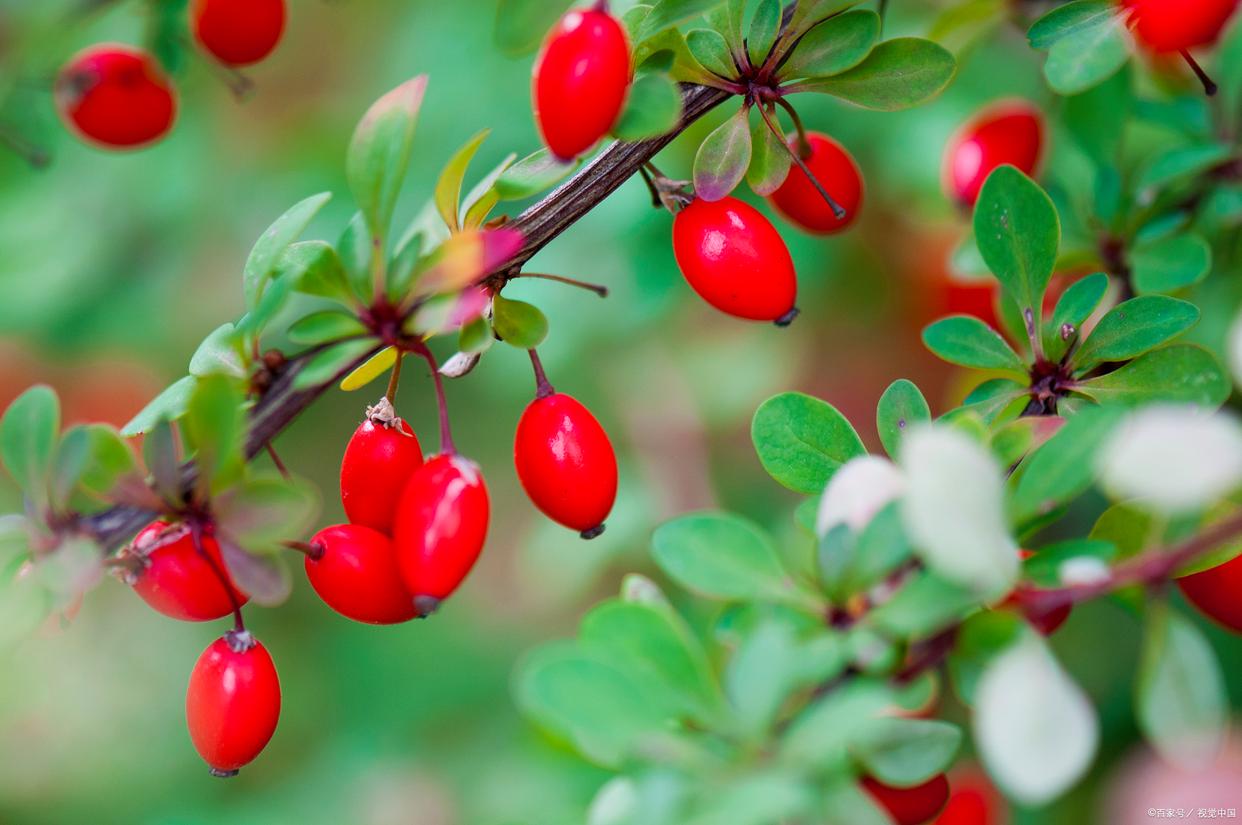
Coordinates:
(446,432)
(543,388)
(837,211)
(598,289)
(196,535)
(1209,85)
(394,378)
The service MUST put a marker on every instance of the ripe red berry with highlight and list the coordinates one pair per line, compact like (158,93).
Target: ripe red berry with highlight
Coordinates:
(566,463)
(798,199)
(233,702)
(179,581)
(910,806)
(440,528)
(354,570)
(1009,132)
(1174,25)
(238,32)
(1217,593)
(381,456)
(733,257)
(580,81)
(115,96)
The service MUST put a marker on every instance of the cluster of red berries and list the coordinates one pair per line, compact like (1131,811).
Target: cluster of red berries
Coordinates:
(119,97)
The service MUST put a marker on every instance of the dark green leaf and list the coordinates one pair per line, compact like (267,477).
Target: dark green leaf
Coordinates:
(1073,308)
(1018,234)
(380,151)
(897,74)
(652,109)
(834,46)
(901,405)
(1180,373)
(966,341)
(802,441)
(710,49)
(1135,326)
(668,13)
(992,400)
(518,323)
(321,327)
(1171,263)
(1087,55)
(271,246)
(1092,117)
(1181,162)
(723,157)
(1069,19)
(28,433)
(764,26)
(314,268)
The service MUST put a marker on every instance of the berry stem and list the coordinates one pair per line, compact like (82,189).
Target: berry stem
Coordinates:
(280,465)
(196,535)
(804,145)
(240,86)
(394,378)
(651,187)
(598,289)
(23,148)
(837,211)
(312,550)
(446,433)
(543,388)
(1209,85)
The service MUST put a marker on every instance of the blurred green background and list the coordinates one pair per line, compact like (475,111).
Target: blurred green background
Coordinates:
(114,266)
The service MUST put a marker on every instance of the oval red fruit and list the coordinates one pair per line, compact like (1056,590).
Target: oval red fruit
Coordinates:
(733,257)
(441,525)
(910,806)
(354,570)
(798,199)
(233,702)
(381,456)
(238,32)
(1174,25)
(1009,132)
(566,463)
(580,81)
(972,801)
(115,96)
(1217,593)
(179,581)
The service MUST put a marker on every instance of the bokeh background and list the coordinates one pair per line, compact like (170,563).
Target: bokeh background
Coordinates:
(114,266)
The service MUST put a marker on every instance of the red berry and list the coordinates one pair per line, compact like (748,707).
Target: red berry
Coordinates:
(1217,592)
(910,806)
(238,32)
(440,528)
(1010,132)
(379,460)
(566,464)
(798,199)
(972,801)
(1174,25)
(115,96)
(179,581)
(354,570)
(233,702)
(580,81)
(735,260)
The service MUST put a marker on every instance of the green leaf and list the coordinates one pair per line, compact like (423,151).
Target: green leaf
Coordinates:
(314,268)
(897,74)
(109,459)
(522,24)
(966,341)
(761,675)
(653,644)
(271,246)
(482,197)
(1018,234)
(533,174)
(1181,703)
(169,405)
(819,736)
(1069,19)
(1178,373)
(448,187)
(162,456)
(325,326)
(1092,118)
(668,13)
(871,557)
(355,249)
(925,605)
(1171,263)
(1135,326)
(1073,308)
(220,353)
(802,441)
(215,428)
(653,108)
(1087,55)
(834,46)
(264,578)
(379,152)
(327,365)
(723,157)
(262,512)
(28,433)
(721,556)
(1181,162)
(905,752)
(1063,467)
(518,323)
(710,49)
(992,400)
(901,405)
(764,25)
(980,637)
(770,160)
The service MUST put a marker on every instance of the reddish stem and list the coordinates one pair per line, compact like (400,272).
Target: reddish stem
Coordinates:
(542,386)
(823,193)
(446,433)
(196,535)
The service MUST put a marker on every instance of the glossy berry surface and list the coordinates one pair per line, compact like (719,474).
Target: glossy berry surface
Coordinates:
(1173,25)
(115,96)
(238,32)
(580,81)
(910,806)
(733,257)
(354,570)
(798,199)
(233,702)
(178,580)
(1010,132)
(566,463)
(440,528)
(378,461)
(1217,593)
